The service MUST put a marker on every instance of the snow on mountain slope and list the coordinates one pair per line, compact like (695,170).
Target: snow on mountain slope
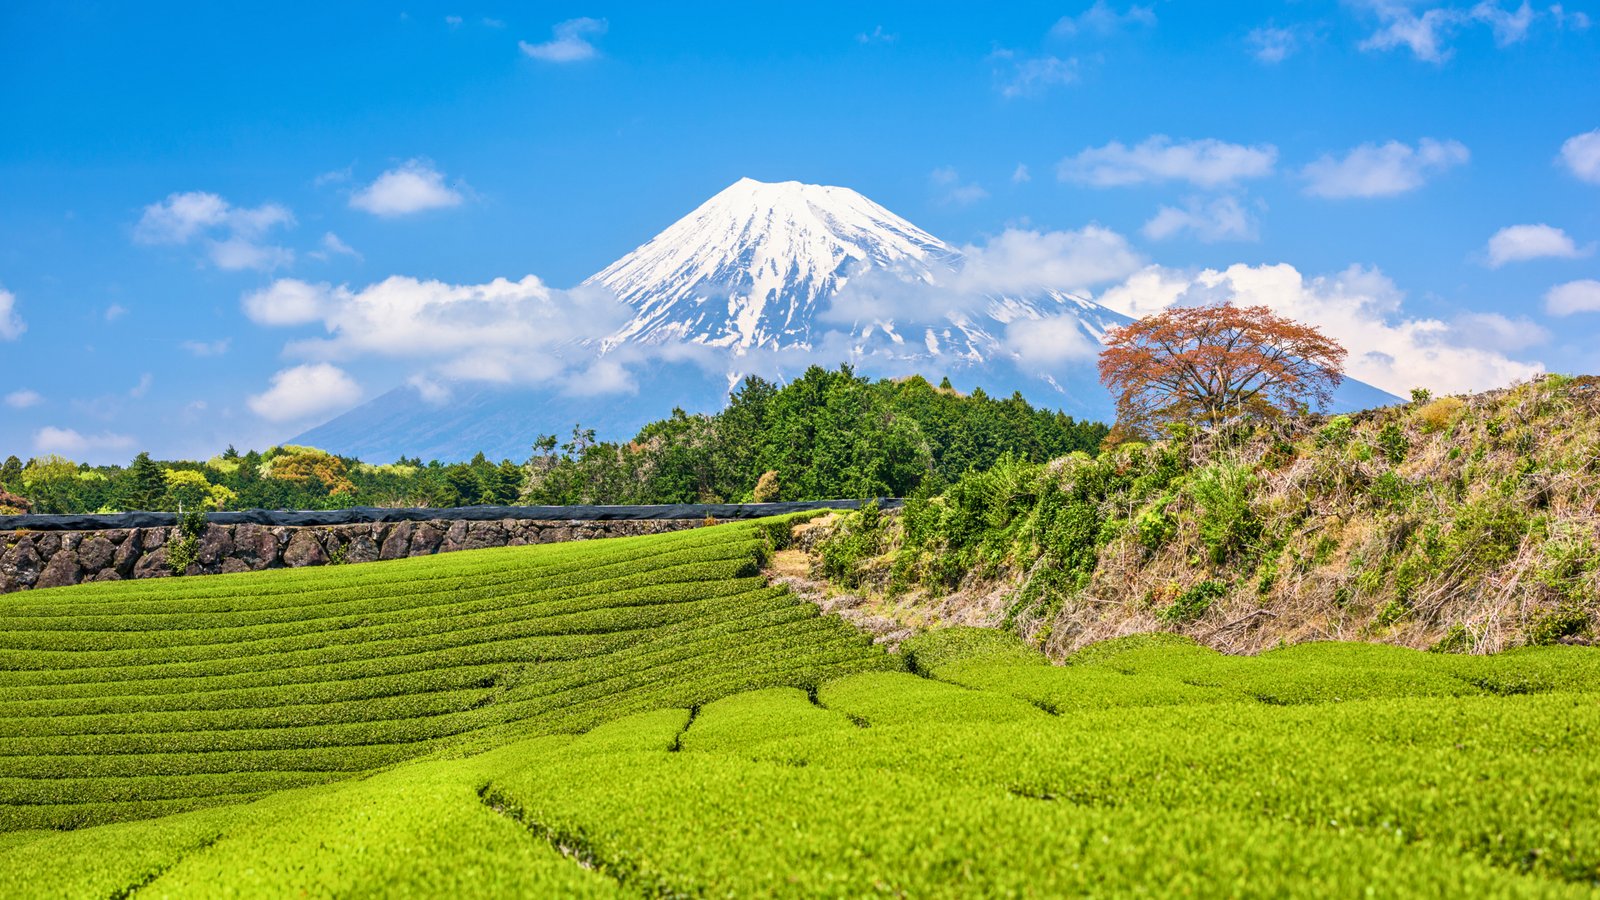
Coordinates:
(751,266)
(760,267)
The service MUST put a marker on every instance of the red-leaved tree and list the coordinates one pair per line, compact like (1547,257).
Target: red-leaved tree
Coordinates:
(1207,364)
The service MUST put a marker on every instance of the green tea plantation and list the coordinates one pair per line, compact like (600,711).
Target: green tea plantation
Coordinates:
(646,716)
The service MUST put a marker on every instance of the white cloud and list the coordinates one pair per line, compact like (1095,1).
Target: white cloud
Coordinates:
(1581,154)
(1426,32)
(237,253)
(305,391)
(952,191)
(180,217)
(1103,20)
(1050,341)
(1023,260)
(1021,175)
(1581,296)
(1014,262)
(337,176)
(332,246)
(208,348)
(1577,21)
(287,301)
(1493,331)
(1358,307)
(1510,27)
(23,399)
(453,21)
(1021,76)
(432,392)
(115,311)
(502,331)
(234,236)
(1273,45)
(1374,170)
(1516,243)
(1207,163)
(412,187)
(143,387)
(1220,219)
(68,442)
(876,36)
(569,43)
(11,324)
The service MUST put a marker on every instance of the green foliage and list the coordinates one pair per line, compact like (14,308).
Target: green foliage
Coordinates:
(857,539)
(1193,603)
(129,699)
(1392,612)
(827,434)
(184,544)
(1392,441)
(1154,526)
(716,761)
(935,650)
(1336,433)
(1420,396)
(1227,524)
(1566,621)
(1458,639)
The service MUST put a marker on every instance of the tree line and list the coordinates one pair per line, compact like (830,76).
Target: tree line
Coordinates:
(828,434)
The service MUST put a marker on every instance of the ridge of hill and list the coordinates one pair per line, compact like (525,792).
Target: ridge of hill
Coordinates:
(1458,523)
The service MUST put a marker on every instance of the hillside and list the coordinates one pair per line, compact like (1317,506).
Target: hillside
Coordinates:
(1459,523)
(126,700)
(1146,766)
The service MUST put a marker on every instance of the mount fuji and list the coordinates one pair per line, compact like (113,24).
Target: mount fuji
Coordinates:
(765,279)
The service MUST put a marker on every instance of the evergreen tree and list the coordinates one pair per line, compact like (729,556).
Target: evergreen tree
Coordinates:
(143,484)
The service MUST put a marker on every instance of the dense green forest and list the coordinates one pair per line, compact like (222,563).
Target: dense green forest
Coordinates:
(828,434)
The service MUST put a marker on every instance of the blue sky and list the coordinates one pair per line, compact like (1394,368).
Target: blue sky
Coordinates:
(1429,173)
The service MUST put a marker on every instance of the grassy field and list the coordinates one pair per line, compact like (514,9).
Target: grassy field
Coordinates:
(645,716)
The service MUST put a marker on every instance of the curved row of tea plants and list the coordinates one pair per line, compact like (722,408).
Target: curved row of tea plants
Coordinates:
(1144,766)
(129,700)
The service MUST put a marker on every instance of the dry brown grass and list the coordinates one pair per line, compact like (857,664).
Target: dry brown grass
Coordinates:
(1332,559)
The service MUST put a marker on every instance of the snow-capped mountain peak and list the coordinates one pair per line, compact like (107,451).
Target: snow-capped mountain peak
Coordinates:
(752,266)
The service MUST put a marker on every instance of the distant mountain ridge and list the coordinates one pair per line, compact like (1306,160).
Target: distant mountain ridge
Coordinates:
(764,278)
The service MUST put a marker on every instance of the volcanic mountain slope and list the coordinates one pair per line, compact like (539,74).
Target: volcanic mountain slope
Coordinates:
(766,279)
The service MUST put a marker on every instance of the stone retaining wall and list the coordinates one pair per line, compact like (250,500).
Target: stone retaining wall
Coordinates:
(55,558)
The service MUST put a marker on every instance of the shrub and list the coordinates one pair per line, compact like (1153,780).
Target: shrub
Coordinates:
(1420,396)
(856,539)
(1154,527)
(1392,612)
(182,549)
(1336,433)
(1193,603)
(1227,524)
(1392,441)
(1440,414)
(766,489)
(1565,621)
(1456,640)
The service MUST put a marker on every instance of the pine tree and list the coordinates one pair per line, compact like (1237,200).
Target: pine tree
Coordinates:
(11,473)
(143,484)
